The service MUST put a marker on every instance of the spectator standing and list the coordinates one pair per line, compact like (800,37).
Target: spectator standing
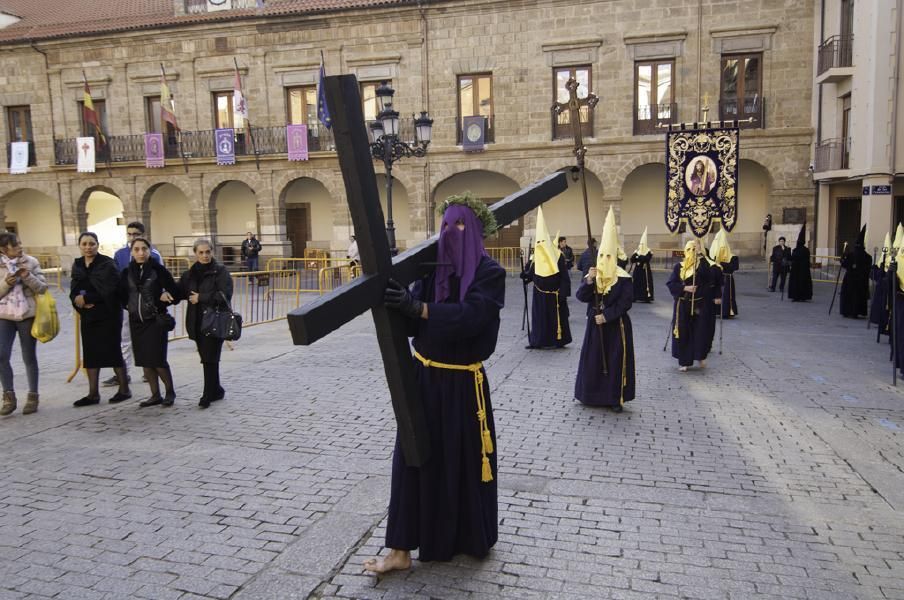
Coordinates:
(251,249)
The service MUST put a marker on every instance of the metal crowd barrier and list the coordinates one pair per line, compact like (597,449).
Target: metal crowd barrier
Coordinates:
(329,278)
(308,269)
(508,258)
(176,265)
(823,268)
(52,267)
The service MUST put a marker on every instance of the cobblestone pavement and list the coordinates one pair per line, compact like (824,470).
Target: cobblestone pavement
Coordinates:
(776,472)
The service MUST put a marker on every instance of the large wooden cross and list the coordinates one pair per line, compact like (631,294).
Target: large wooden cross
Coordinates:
(313,321)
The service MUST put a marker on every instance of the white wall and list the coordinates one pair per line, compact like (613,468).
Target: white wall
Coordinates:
(169,218)
(38,218)
(236,209)
(103,211)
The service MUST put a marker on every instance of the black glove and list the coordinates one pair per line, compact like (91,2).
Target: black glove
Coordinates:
(525,277)
(399,298)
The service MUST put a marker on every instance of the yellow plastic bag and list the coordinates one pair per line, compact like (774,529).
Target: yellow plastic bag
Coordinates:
(47,321)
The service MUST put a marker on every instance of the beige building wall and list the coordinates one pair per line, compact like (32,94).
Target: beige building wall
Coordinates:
(422,55)
(37,219)
(170,219)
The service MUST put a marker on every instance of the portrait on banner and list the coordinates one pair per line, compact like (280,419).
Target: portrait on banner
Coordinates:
(702,179)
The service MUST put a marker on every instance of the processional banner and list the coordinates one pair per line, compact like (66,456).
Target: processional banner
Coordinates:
(153,151)
(84,146)
(702,179)
(18,162)
(225,141)
(297,141)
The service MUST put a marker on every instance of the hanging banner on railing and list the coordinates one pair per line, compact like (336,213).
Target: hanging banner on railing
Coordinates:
(84,147)
(297,141)
(18,161)
(225,140)
(702,179)
(153,151)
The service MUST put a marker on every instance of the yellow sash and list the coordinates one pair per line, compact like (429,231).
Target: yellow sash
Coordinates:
(558,316)
(486,439)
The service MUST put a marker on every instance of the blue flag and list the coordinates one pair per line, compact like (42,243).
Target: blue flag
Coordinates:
(323,113)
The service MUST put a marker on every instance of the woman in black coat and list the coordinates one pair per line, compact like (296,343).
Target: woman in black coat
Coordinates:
(207,284)
(94,294)
(146,288)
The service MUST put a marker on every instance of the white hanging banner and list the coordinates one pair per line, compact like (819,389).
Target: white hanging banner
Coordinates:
(18,164)
(85,150)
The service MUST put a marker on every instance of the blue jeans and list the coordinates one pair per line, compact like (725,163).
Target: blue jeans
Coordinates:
(8,331)
(252,263)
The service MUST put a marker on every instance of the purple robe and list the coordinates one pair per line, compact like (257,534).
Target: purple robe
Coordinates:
(695,330)
(545,321)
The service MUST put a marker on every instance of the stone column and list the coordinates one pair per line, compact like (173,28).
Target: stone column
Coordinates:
(825,238)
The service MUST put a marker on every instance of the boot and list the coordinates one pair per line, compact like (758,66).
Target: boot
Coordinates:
(31,404)
(9,403)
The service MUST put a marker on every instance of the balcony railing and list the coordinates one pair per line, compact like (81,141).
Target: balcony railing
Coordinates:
(647,119)
(32,159)
(837,51)
(195,144)
(754,107)
(200,6)
(832,155)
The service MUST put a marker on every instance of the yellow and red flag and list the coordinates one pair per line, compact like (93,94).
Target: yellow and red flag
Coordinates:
(89,115)
(167,106)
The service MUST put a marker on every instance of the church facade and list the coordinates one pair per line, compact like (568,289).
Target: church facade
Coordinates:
(651,62)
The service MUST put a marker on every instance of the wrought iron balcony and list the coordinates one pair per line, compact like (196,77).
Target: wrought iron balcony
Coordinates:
(268,141)
(754,107)
(647,119)
(835,52)
(832,155)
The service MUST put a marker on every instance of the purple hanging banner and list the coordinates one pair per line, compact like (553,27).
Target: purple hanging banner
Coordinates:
(225,141)
(153,150)
(297,141)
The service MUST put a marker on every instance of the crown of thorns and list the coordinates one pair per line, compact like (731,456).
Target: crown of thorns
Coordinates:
(481,210)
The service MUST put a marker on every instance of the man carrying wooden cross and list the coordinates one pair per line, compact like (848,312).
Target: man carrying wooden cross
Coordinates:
(448,505)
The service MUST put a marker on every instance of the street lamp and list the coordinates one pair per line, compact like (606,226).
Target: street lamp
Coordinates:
(388,147)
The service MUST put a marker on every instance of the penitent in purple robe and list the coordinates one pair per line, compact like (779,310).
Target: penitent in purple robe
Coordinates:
(695,329)
(443,508)
(616,386)
(548,298)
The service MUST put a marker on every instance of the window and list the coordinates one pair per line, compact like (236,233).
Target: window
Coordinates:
(847,18)
(846,131)
(154,123)
(301,106)
(100,107)
(654,96)
(741,89)
(369,100)
(475,99)
(562,123)
(224,117)
(19,127)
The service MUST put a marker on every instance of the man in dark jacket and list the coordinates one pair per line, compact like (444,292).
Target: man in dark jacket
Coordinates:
(251,248)
(780,261)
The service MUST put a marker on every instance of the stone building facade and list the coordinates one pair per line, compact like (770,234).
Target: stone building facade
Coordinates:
(429,52)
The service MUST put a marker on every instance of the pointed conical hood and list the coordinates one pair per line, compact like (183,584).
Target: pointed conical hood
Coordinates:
(861,237)
(607,269)
(899,237)
(546,255)
(642,248)
(719,250)
(886,251)
(802,236)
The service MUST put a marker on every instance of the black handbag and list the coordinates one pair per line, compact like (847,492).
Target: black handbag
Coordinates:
(221,323)
(167,320)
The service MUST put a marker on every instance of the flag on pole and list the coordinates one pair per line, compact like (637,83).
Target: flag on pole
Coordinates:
(167,107)
(239,106)
(323,112)
(89,115)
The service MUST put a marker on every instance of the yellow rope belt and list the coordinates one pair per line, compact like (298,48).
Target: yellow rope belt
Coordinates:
(678,312)
(558,316)
(624,362)
(486,439)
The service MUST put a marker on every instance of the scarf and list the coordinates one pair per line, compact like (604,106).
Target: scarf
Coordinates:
(16,295)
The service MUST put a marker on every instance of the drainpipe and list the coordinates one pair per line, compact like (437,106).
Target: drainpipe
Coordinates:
(822,34)
(425,92)
(49,91)
(894,103)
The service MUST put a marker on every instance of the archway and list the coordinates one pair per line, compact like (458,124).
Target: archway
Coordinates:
(401,218)
(643,205)
(309,214)
(754,189)
(103,212)
(489,187)
(236,206)
(565,212)
(35,217)
(170,220)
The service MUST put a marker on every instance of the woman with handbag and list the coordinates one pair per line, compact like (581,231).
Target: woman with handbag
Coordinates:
(146,289)
(20,280)
(94,292)
(208,286)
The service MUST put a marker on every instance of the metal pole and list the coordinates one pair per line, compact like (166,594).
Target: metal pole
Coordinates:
(390,226)
(837,278)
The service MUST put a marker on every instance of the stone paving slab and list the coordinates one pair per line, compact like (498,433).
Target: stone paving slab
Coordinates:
(776,472)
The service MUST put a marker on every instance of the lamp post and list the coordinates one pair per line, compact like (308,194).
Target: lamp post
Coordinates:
(386,145)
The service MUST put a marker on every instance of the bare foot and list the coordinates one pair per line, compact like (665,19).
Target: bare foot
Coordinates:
(396,560)
(682,369)
(702,364)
